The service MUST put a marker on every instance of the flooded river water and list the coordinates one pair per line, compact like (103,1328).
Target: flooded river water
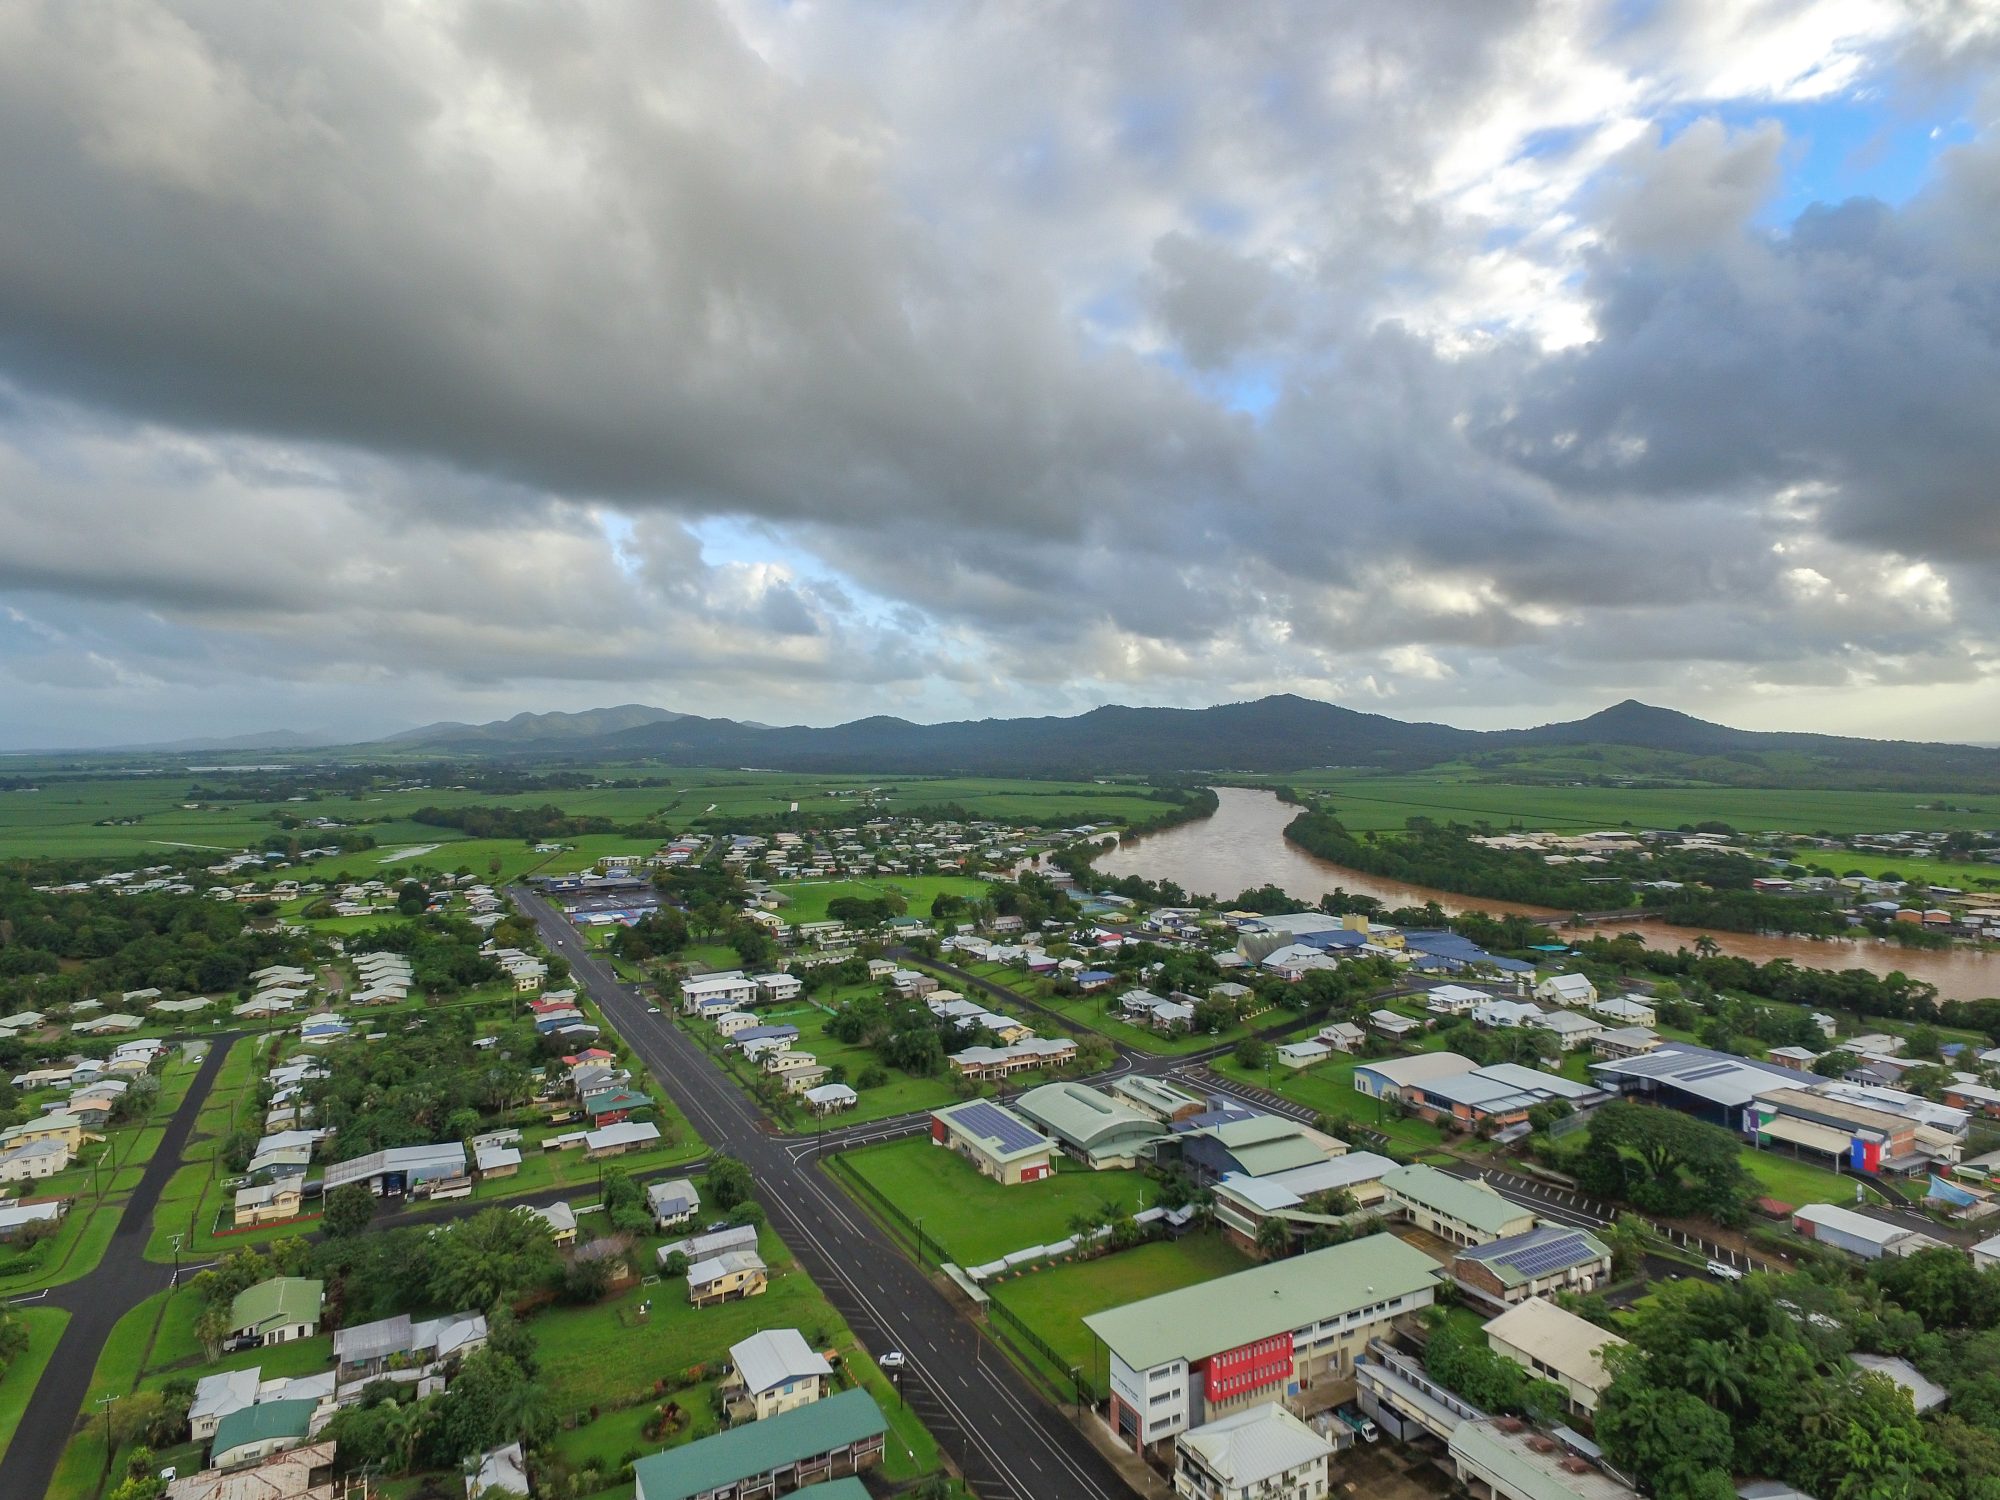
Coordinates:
(1243,846)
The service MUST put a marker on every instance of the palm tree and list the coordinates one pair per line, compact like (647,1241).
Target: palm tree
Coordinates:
(1274,1238)
(1706,947)
(404,1427)
(1713,1373)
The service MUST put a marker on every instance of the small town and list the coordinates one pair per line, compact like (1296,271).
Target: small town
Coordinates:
(773,751)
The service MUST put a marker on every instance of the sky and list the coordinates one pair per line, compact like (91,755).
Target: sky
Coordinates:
(367,364)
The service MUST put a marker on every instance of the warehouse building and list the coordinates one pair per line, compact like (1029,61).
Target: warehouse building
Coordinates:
(1187,1357)
(1388,1078)
(1857,1233)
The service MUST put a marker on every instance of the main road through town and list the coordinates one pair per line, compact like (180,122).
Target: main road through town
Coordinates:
(1004,1436)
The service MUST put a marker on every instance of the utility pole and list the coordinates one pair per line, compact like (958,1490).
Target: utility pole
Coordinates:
(919,1227)
(105,1402)
(176,1237)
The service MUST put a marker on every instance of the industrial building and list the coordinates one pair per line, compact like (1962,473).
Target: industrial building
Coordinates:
(1092,1127)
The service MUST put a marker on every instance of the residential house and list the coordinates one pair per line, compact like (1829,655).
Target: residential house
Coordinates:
(1571,1030)
(772,1372)
(268,1202)
(253,1433)
(276,1311)
(778,987)
(673,1202)
(1394,1025)
(1625,1041)
(727,1277)
(1625,1010)
(1020,1057)
(1566,989)
(59,1126)
(617,1140)
(1260,1453)
(32,1160)
(404,1171)
(830,1098)
(370,1349)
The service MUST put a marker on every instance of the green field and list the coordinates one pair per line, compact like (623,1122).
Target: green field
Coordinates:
(1055,1302)
(62,816)
(1366,802)
(971,1218)
(806,900)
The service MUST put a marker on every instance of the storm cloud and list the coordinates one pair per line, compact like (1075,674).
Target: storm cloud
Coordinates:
(363,364)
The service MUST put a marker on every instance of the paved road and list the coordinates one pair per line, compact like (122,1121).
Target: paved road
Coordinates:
(1003,1435)
(98,1299)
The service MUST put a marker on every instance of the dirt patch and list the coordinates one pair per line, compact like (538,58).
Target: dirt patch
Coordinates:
(1381,1471)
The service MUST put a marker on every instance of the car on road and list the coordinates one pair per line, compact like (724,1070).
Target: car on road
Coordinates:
(652,1010)
(1723,1271)
(893,1360)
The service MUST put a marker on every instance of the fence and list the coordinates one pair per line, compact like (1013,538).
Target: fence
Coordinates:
(1054,1371)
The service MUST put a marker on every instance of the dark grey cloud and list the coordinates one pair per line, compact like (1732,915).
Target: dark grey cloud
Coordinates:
(1407,353)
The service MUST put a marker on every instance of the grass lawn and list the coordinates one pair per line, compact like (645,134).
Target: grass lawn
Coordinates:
(976,1219)
(1329,1088)
(45,1326)
(806,900)
(902,1093)
(1055,1302)
(609,1356)
(1797,1182)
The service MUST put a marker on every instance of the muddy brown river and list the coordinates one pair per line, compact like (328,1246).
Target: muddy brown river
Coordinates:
(1243,846)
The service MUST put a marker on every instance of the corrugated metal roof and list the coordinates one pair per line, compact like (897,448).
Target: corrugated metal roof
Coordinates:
(758,1447)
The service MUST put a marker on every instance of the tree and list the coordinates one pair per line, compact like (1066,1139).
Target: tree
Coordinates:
(1274,1238)
(1678,1448)
(211,1326)
(728,1183)
(1251,1053)
(350,1209)
(490,1257)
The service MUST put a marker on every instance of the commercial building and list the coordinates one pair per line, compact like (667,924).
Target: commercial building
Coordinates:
(1187,1357)
(1555,1345)
(1388,1078)
(840,1435)
(1264,1453)
(1460,1210)
(1549,1258)
(1496,1097)
(1710,1085)
(1242,1204)
(999,1143)
(1091,1126)
(1155,1099)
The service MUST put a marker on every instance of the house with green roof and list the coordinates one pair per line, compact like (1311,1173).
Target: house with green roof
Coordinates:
(1092,1126)
(276,1311)
(256,1432)
(803,1447)
(1186,1357)
(1464,1211)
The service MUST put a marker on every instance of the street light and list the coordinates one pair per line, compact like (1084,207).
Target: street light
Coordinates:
(176,1238)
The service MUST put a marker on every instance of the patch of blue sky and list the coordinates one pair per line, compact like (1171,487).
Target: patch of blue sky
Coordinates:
(733,539)
(1836,149)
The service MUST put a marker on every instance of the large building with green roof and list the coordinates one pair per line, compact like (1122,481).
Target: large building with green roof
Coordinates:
(1453,1208)
(1189,1356)
(1093,1127)
(802,1447)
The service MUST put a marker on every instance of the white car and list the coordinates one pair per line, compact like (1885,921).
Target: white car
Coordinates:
(1723,1271)
(893,1360)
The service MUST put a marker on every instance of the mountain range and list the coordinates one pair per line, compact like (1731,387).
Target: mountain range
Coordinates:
(1266,736)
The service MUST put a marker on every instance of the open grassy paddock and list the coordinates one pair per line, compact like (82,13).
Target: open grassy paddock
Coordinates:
(1055,1302)
(45,1326)
(806,900)
(970,1218)
(1363,802)
(124,816)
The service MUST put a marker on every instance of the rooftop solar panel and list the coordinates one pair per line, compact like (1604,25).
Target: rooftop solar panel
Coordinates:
(1538,1260)
(996,1125)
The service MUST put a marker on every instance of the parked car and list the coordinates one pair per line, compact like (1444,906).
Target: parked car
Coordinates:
(1723,1271)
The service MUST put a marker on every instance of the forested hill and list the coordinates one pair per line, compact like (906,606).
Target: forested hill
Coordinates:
(1265,737)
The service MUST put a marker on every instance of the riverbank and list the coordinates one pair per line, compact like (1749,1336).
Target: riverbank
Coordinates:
(1243,847)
